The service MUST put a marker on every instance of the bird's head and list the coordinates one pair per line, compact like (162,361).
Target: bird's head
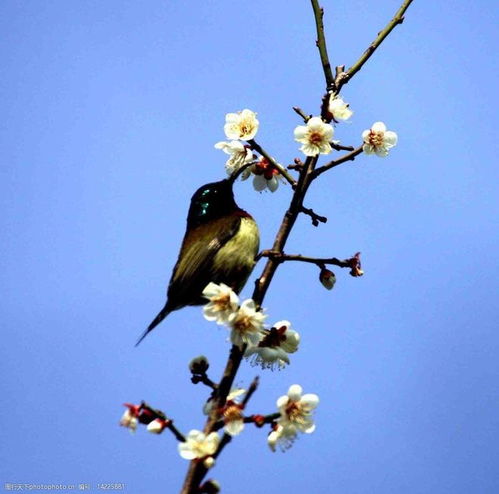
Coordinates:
(211,201)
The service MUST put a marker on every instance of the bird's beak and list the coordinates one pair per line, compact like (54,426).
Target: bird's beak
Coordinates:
(238,172)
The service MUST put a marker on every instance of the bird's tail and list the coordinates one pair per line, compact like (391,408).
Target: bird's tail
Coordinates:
(162,314)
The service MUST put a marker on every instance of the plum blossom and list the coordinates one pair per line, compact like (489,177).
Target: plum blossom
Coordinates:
(338,108)
(378,140)
(266,176)
(233,418)
(223,302)
(246,324)
(296,409)
(296,416)
(241,125)
(275,345)
(315,137)
(198,445)
(239,156)
(282,437)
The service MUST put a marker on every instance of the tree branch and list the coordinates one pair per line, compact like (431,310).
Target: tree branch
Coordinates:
(321,44)
(302,114)
(253,387)
(319,261)
(315,217)
(347,157)
(343,77)
(282,171)
(307,173)
(339,147)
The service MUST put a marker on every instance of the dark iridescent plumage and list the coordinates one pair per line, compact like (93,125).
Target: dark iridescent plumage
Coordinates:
(220,245)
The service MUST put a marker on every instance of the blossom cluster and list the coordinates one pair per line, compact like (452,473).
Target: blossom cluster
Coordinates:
(243,126)
(315,137)
(267,347)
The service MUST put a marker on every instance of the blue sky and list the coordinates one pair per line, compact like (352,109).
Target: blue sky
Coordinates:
(110,111)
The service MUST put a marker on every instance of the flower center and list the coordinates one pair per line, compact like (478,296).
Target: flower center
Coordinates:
(274,337)
(222,302)
(244,324)
(232,413)
(294,412)
(315,137)
(245,128)
(376,138)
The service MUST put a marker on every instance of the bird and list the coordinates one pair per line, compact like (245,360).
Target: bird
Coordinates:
(220,245)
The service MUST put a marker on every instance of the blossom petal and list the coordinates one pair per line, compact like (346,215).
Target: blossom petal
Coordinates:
(272,184)
(378,127)
(300,132)
(310,400)
(259,183)
(391,138)
(294,392)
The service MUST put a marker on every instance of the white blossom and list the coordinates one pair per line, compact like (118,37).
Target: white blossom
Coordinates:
(260,183)
(282,437)
(266,176)
(338,108)
(246,324)
(296,416)
(233,418)
(241,125)
(239,156)
(315,137)
(296,410)
(274,346)
(198,445)
(223,302)
(378,140)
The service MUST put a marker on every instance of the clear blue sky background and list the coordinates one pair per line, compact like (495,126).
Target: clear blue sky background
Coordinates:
(110,110)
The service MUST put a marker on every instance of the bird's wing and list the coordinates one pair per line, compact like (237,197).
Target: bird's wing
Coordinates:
(194,268)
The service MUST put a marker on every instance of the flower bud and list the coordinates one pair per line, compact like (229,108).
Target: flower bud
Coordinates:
(210,487)
(259,420)
(157,426)
(199,365)
(327,278)
(209,462)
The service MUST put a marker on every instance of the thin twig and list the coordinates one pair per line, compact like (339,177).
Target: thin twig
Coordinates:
(147,414)
(347,157)
(203,378)
(316,218)
(343,77)
(339,147)
(319,261)
(302,114)
(321,44)
(226,439)
(260,420)
(282,171)
(253,387)
(178,435)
